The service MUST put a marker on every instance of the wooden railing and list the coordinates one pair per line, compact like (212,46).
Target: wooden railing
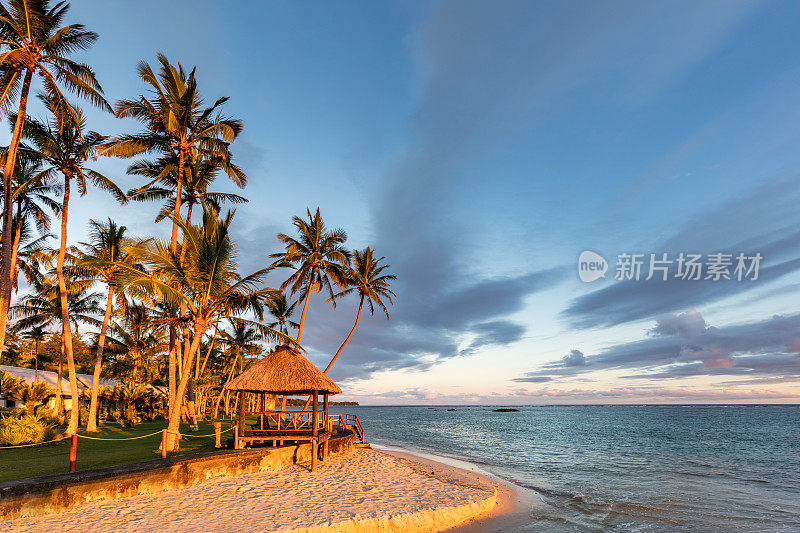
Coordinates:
(299,419)
(348,421)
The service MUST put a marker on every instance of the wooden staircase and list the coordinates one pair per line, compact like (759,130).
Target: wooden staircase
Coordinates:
(350,421)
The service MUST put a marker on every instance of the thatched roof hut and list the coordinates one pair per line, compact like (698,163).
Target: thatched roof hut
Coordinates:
(284,371)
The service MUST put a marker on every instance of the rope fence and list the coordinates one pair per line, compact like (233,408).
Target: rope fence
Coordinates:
(55,441)
(209,435)
(73,442)
(128,438)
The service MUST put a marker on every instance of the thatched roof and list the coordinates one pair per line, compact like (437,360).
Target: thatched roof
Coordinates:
(284,371)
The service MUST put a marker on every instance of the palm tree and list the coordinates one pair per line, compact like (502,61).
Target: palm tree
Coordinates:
(98,262)
(205,282)
(32,394)
(242,341)
(30,255)
(176,124)
(34,42)
(138,338)
(41,305)
(8,384)
(366,278)
(282,312)
(36,334)
(65,145)
(129,394)
(318,257)
(31,198)
(199,174)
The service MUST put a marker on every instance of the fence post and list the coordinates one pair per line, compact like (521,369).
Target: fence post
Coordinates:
(218,433)
(164,443)
(73,452)
(235,437)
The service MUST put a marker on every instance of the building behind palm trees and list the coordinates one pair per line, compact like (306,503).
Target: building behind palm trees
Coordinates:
(30,376)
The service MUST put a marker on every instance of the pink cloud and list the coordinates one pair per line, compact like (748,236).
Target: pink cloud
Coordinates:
(711,356)
(660,393)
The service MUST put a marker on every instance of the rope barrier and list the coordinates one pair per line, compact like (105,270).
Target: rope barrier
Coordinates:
(34,444)
(209,435)
(129,438)
(99,438)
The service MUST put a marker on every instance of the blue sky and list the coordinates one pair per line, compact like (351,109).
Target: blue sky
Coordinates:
(481,146)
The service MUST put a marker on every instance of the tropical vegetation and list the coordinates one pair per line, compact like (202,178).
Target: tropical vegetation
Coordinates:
(170,321)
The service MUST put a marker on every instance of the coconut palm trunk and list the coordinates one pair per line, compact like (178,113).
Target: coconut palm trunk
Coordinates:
(91,426)
(219,398)
(191,407)
(66,331)
(339,351)
(8,209)
(15,250)
(300,336)
(173,246)
(303,315)
(59,398)
(175,415)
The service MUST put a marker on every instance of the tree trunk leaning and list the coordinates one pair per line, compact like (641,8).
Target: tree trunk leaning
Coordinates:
(175,415)
(91,426)
(66,330)
(8,208)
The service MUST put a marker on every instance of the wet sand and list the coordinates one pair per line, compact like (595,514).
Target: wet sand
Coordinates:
(514,504)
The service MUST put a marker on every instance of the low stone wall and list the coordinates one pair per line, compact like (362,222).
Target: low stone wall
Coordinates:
(50,494)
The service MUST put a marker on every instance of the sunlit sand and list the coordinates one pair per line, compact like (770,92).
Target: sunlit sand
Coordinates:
(360,491)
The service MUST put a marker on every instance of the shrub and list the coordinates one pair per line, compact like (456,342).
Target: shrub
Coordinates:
(153,413)
(25,429)
(48,416)
(130,420)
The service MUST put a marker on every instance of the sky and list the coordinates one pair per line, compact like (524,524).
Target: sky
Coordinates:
(481,147)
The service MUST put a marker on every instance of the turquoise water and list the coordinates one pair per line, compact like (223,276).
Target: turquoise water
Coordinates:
(622,468)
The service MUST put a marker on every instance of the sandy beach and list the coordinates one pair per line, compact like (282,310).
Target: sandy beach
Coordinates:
(514,503)
(367,490)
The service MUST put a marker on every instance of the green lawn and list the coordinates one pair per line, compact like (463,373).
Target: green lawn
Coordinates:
(53,458)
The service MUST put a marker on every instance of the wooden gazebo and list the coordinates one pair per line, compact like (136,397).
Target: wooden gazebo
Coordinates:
(285,372)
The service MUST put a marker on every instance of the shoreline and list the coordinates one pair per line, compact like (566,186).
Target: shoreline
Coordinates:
(514,502)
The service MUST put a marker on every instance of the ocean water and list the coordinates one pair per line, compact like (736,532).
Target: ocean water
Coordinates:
(621,468)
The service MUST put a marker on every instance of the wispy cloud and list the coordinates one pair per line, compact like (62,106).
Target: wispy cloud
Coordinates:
(764,222)
(681,345)
(659,394)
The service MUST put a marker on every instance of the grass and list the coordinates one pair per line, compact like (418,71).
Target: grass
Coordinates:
(53,458)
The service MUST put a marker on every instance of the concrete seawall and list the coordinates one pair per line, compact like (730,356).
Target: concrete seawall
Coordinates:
(50,494)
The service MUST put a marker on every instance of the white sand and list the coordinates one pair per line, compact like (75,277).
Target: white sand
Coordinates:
(366,490)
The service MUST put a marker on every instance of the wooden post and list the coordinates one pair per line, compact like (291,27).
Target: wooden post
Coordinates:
(235,437)
(314,443)
(325,424)
(263,408)
(218,434)
(163,443)
(73,452)
(242,413)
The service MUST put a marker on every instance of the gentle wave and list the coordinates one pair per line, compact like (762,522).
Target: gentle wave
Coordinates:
(622,468)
